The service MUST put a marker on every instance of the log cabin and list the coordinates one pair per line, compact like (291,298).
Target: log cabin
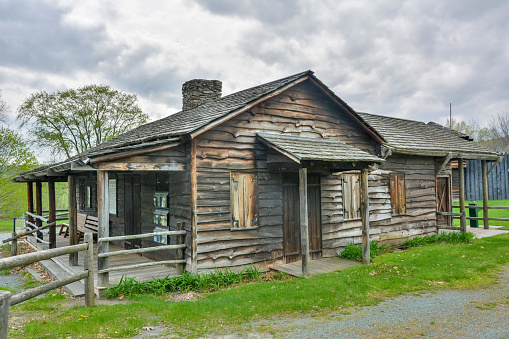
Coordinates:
(277,173)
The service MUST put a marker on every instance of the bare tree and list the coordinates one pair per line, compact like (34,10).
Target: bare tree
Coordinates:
(498,128)
(3,109)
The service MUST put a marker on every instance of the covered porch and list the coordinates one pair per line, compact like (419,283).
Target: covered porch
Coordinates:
(304,156)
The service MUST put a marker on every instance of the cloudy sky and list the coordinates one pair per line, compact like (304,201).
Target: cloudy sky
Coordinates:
(407,59)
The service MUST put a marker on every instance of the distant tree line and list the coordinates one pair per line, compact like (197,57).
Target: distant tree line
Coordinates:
(495,135)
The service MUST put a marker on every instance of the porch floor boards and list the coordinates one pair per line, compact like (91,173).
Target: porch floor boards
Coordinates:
(141,273)
(317,266)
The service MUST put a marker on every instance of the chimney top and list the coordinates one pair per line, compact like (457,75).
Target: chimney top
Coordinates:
(199,91)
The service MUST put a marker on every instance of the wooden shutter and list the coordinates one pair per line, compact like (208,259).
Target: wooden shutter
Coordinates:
(398,193)
(351,196)
(244,200)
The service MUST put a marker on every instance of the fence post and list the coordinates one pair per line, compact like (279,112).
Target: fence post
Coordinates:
(89,266)
(5,305)
(180,251)
(14,245)
(463,222)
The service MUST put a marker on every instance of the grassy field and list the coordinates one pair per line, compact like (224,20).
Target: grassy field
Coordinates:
(492,213)
(6,225)
(420,269)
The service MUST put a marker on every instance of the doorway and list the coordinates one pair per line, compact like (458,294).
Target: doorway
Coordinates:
(291,217)
(443,201)
(132,209)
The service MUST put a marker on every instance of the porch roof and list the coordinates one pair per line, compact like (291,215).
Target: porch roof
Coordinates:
(299,149)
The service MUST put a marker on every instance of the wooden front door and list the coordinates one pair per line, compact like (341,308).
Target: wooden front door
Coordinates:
(132,209)
(291,217)
(443,200)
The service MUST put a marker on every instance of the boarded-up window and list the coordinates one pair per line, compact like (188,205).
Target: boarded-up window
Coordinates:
(244,199)
(351,196)
(398,194)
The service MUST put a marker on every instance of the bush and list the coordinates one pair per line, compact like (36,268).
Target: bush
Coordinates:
(184,283)
(354,252)
(444,237)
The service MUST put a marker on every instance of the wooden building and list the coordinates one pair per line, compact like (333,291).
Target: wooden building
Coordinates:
(280,172)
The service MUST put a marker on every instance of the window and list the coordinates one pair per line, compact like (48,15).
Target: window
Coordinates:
(351,196)
(244,200)
(112,195)
(398,194)
(87,195)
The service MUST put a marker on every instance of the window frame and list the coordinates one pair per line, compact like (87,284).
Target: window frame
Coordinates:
(244,206)
(397,190)
(351,193)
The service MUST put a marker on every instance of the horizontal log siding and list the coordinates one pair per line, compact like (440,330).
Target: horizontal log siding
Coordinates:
(301,111)
(420,218)
(336,232)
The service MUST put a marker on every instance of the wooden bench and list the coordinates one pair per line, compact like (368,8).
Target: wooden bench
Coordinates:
(64,228)
(85,224)
(91,225)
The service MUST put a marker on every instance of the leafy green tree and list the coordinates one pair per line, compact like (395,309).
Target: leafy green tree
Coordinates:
(75,120)
(15,158)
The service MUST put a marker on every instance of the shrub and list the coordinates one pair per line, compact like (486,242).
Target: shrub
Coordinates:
(444,237)
(184,283)
(354,252)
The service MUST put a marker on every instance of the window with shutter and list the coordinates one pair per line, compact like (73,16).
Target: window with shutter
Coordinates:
(398,194)
(244,200)
(351,196)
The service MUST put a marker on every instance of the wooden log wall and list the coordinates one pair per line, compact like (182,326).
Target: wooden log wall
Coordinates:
(420,218)
(301,111)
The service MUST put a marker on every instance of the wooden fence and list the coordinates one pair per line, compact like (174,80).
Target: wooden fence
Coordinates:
(6,297)
(498,180)
(103,254)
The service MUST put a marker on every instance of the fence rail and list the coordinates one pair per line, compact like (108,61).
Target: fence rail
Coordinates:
(480,208)
(6,297)
(103,255)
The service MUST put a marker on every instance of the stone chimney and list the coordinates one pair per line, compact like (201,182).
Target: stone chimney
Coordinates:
(199,91)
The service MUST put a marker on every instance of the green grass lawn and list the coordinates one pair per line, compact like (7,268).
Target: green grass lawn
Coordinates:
(492,213)
(6,225)
(420,269)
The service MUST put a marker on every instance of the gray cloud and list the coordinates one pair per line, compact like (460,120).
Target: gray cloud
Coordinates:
(406,59)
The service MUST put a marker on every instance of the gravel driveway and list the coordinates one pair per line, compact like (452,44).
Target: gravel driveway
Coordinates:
(482,313)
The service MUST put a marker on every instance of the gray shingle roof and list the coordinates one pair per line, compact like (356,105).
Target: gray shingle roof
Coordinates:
(416,137)
(191,120)
(316,149)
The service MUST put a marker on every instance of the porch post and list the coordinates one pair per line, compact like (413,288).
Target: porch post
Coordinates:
(30,199)
(73,215)
(365,216)
(103,214)
(461,171)
(52,214)
(194,215)
(485,194)
(38,206)
(304,233)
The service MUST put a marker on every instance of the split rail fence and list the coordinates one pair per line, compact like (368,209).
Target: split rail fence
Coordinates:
(7,299)
(103,254)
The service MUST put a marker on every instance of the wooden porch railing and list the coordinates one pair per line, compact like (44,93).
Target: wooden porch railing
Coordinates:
(30,227)
(7,299)
(102,257)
